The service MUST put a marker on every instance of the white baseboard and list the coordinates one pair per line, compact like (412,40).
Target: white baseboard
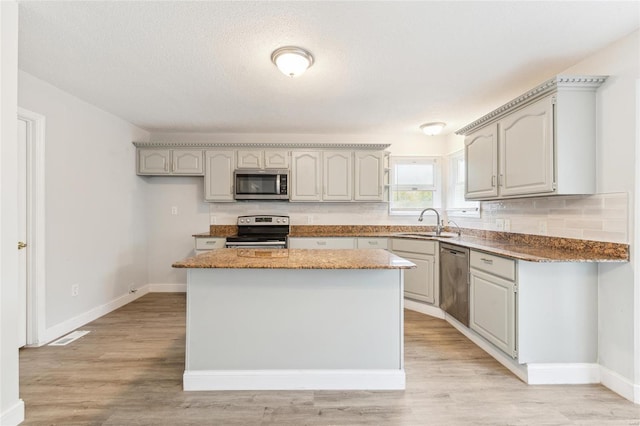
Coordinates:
(71,324)
(167,288)
(14,415)
(563,374)
(620,385)
(424,308)
(202,380)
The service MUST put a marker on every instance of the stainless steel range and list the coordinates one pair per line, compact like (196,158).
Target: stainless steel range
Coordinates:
(260,232)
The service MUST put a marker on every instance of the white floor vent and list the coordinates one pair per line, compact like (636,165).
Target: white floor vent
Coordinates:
(63,341)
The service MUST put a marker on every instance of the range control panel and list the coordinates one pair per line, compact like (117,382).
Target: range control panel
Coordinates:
(263,220)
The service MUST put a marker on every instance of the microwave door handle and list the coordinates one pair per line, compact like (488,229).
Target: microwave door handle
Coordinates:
(277,184)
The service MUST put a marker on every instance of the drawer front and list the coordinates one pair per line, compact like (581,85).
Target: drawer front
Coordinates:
(414,246)
(372,243)
(322,243)
(210,243)
(496,265)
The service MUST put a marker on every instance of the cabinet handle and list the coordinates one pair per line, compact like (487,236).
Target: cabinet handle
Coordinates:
(493,181)
(487,261)
(321,243)
(166,166)
(373,243)
(501,180)
(211,242)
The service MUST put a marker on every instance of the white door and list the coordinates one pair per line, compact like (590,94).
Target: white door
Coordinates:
(218,175)
(481,162)
(306,172)
(368,176)
(22,233)
(337,176)
(526,150)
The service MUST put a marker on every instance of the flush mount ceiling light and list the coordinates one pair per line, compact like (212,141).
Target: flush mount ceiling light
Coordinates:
(432,129)
(291,60)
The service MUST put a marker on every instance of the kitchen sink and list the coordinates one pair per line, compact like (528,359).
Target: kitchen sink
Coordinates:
(429,234)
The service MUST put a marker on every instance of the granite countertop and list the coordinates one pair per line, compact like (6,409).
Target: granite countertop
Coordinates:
(532,248)
(296,259)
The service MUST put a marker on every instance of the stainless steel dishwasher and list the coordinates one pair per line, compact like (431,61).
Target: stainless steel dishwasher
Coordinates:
(454,281)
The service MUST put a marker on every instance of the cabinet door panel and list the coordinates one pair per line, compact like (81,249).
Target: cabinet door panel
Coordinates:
(249,159)
(276,160)
(492,310)
(218,178)
(419,282)
(153,161)
(187,162)
(336,177)
(369,169)
(526,150)
(481,162)
(305,176)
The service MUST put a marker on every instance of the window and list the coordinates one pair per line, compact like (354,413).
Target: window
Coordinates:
(414,184)
(456,204)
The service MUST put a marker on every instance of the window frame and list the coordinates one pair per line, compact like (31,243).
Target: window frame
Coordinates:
(453,209)
(435,188)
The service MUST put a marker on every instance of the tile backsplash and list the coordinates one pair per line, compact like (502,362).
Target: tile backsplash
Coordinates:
(600,217)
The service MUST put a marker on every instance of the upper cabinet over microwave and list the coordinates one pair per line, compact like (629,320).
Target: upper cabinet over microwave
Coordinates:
(541,143)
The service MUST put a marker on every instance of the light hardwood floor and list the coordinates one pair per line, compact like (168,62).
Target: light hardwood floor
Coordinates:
(128,371)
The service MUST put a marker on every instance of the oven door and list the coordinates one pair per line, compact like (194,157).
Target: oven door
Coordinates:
(261,185)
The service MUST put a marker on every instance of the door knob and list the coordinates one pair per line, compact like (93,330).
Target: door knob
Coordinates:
(21,245)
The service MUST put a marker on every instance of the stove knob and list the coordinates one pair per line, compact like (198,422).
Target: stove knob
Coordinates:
(277,220)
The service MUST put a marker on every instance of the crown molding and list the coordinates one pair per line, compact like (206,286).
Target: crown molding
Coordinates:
(557,83)
(206,145)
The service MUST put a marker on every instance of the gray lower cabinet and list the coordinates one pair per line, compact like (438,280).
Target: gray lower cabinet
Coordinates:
(420,282)
(338,243)
(535,312)
(203,244)
(321,243)
(492,310)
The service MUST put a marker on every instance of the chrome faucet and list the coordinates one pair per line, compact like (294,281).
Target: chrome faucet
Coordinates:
(438,222)
(459,232)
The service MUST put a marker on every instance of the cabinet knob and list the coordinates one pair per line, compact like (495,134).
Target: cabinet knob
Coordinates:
(21,245)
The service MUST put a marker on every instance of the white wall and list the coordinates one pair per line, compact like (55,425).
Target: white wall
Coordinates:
(11,407)
(169,236)
(617,124)
(95,204)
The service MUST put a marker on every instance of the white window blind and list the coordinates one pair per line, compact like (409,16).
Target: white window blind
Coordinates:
(414,184)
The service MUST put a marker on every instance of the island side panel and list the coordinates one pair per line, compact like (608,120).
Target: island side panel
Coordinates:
(284,319)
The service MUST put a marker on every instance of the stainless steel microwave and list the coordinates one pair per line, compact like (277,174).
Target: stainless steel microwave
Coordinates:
(256,184)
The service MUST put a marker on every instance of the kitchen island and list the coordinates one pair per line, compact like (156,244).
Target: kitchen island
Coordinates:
(294,319)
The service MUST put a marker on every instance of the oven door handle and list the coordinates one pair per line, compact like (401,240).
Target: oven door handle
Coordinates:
(258,243)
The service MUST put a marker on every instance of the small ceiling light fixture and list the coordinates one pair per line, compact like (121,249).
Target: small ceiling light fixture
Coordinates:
(432,129)
(291,60)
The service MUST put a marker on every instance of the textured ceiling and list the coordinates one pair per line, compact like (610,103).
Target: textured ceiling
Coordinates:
(380,66)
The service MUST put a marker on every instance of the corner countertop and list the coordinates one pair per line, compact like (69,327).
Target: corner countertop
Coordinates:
(531,248)
(233,258)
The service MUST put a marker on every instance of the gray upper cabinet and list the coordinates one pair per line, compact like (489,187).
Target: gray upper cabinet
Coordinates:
(541,143)
(157,162)
(218,179)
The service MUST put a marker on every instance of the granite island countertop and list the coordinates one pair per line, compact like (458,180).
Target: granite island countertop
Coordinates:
(237,258)
(532,248)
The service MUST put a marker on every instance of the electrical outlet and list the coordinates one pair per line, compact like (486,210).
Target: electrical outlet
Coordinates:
(75,289)
(507,225)
(500,224)
(174,210)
